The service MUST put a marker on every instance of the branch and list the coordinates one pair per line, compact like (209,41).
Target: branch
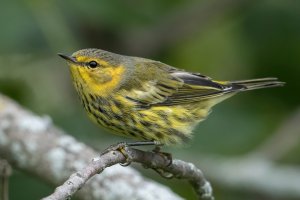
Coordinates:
(34,145)
(156,161)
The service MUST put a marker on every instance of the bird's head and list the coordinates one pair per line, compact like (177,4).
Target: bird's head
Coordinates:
(96,71)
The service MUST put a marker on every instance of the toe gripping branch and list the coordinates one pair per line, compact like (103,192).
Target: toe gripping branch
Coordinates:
(122,147)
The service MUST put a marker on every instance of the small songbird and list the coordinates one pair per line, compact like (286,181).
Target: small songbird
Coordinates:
(146,99)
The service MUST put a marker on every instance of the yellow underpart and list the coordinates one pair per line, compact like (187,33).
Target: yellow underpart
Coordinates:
(115,109)
(152,115)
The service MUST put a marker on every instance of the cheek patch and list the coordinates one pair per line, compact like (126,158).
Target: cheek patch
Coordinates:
(102,81)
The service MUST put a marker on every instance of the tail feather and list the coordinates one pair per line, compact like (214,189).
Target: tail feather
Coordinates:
(253,84)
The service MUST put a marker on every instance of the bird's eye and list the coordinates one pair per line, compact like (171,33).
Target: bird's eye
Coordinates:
(93,64)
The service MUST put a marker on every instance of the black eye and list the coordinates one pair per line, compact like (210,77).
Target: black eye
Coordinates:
(93,64)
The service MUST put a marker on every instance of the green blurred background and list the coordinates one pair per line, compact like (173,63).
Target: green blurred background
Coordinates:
(225,39)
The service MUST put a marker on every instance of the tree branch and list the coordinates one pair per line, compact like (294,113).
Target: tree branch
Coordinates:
(156,161)
(34,145)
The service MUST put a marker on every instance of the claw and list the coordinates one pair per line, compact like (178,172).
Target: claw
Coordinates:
(128,158)
(127,163)
(114,147)
(121,148)
(164,174)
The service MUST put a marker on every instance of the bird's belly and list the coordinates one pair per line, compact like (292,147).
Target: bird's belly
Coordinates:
(166,124)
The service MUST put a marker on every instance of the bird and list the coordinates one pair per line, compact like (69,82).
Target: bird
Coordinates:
(148,100)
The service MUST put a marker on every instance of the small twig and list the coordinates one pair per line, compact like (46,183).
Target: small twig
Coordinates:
(156,161)
(5,172)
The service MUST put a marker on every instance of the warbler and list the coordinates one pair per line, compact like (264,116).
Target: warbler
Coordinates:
(148,100)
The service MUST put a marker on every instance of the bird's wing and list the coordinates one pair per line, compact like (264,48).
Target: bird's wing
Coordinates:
(196,88)
(174,87)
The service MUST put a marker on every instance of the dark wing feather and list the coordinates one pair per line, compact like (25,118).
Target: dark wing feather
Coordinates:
(196,88)
(174,87)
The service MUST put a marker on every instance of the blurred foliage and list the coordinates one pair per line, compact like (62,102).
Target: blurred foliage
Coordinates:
(238,40)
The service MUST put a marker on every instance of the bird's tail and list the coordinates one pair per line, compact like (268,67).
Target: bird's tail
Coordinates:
(253,84)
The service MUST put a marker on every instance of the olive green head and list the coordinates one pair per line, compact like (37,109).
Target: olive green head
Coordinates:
(97,71)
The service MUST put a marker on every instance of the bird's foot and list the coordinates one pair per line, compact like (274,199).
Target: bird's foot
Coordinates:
(121,147)
(168,156)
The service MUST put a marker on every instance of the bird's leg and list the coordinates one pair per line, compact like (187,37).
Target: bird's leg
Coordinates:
(143,143)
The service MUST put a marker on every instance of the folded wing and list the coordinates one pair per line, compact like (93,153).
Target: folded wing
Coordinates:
(173,87)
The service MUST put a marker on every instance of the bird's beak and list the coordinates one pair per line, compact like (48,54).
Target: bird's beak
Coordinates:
(67,58)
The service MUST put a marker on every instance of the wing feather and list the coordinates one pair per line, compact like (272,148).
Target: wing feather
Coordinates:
(173,87)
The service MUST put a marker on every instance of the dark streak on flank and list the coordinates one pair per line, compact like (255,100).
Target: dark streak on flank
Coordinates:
(92,97)
(156,126)
(89,108)
(85,98)
(168,122)
(132,133)
(177,133)
(118,104)
(162,114)
(159,135)
(133,120)
(139,132)
(145,123)
(103,111)
(118,117)
(103,101)
(182,119)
